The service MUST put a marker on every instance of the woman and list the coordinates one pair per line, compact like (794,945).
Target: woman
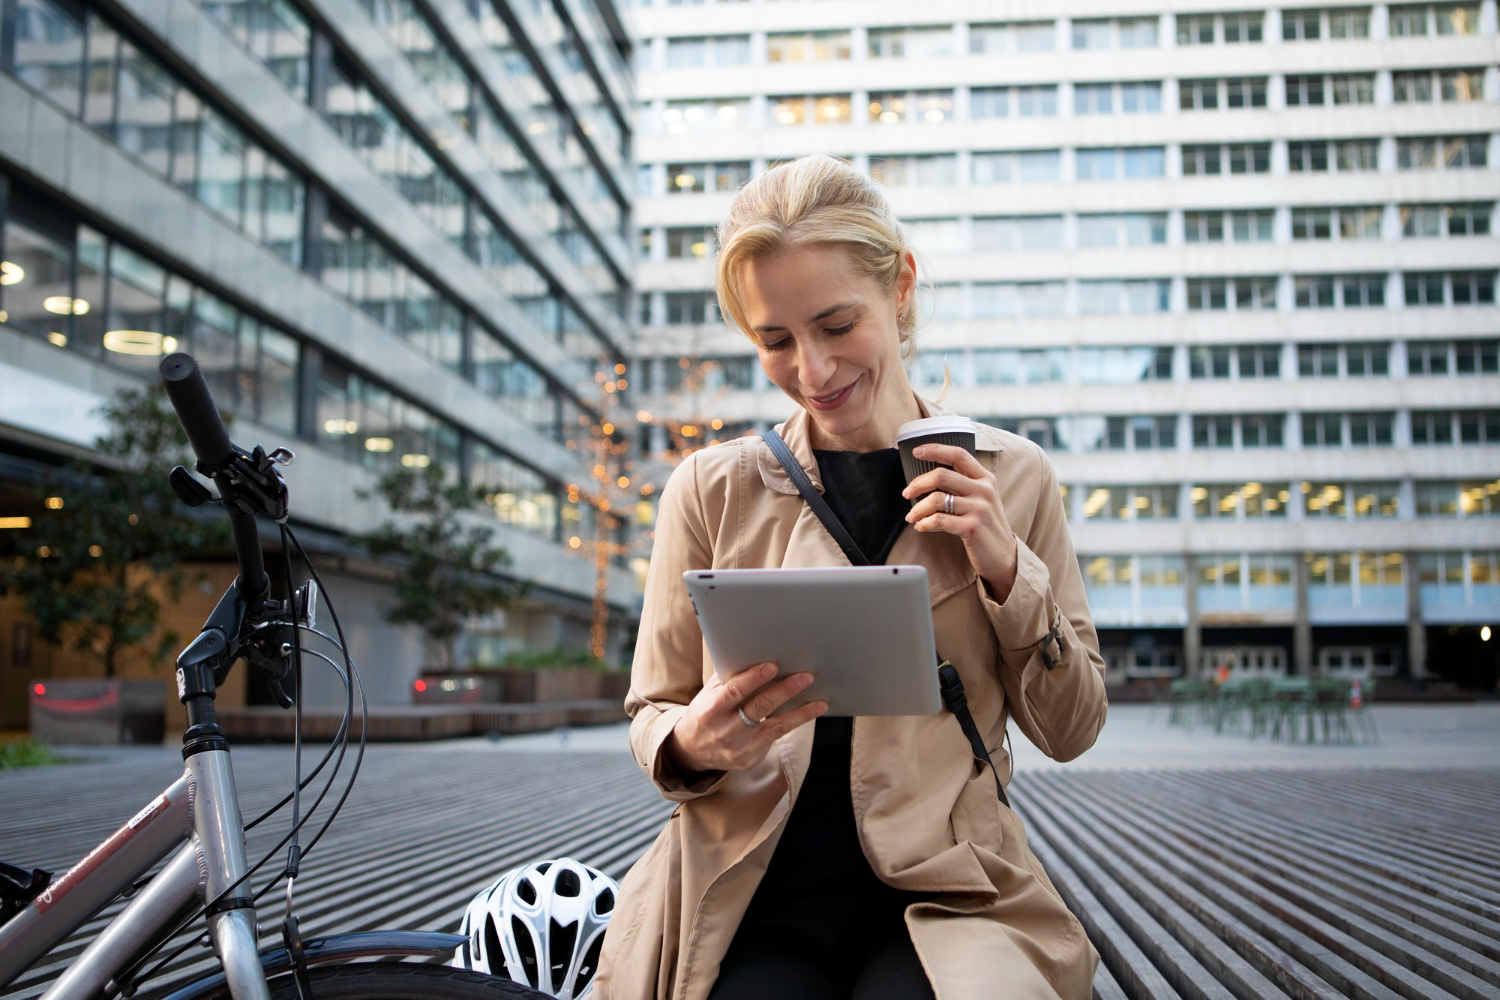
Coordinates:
(865,858)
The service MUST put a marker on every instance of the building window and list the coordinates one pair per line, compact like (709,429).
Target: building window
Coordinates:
(1470,498)
(1412,20)
(1107,98)
(1340,430)
(825,109)
(1436,288)
(1253,226)
(1458,152)
(1231,293)
(1359,360)
(1234,93)
(1476,357)
(994,366)
(714,50)
(1114,298)
(690,242)
(1350,500)
(911,106)
(1234,158)
(692,307)
(1129,162)
(1018,232)
(1130,503)
(1136,229)
(1359,222)
(911,43)
(1146,433)
(1028,166)
(938,169)
(1008,300)
(1335,22)
(1471,219)
(1122,32)
(808,46)
(1464,427)
(1124,365)
(700,178)
(1350,291)
(1320,156)
(712,115)
(1014,36)
(1231,29)
(1239,502)
(1001,102)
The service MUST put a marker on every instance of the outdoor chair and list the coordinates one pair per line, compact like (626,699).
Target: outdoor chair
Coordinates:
(1328,698)
(1289,706)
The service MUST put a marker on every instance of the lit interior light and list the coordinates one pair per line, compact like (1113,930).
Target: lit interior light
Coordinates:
(1484,633)
(96,551)
(574,542)
(619,369)
(419,684)
(54,503)
(608,428)
(716,424)
(337,426)
(140,343)
(15,522)
(644,416)
(414,460)
(57,339)
(379,444)
(623,481)
(683,180)
(11,273)
(63,305)
(39,688)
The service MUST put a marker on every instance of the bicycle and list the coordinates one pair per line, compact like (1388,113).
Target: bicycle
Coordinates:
(198,815)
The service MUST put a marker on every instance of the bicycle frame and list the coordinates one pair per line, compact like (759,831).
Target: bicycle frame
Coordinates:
(200,808)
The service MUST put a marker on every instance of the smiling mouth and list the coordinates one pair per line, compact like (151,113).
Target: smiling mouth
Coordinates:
(834,398)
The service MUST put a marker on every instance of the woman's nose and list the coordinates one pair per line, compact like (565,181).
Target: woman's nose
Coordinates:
(815,368)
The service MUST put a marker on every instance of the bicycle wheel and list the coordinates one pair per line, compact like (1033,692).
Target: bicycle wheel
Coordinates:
(398,981)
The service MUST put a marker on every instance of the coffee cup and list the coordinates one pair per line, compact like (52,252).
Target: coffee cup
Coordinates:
(952,430)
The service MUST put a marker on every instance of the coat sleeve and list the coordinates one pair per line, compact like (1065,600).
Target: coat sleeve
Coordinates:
(1061,707)
(667,670)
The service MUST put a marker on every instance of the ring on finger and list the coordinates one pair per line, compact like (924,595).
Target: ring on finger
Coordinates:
(747,720)
(948,503)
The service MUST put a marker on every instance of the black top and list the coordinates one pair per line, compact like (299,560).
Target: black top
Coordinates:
(819,885)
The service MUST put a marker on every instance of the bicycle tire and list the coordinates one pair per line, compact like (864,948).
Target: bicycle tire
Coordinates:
(398,981)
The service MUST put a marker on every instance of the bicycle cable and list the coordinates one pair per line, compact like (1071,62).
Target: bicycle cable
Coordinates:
(351,679)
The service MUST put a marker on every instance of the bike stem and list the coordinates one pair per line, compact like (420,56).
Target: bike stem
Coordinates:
(215,808)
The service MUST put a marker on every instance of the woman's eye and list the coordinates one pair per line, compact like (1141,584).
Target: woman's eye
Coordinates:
(837,331)
(778,345)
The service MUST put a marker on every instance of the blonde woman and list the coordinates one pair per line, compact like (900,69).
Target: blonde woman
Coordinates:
(863,858)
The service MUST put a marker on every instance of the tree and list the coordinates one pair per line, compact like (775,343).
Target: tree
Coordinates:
(94,568)
(448,567)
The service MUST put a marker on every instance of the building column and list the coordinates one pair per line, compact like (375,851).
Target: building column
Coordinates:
(1192,631)
(1302,623)
(1416,632)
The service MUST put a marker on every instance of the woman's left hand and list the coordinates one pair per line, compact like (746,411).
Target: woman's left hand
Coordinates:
(978,517)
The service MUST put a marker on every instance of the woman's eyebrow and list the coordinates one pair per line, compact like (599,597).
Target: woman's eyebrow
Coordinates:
(822,315)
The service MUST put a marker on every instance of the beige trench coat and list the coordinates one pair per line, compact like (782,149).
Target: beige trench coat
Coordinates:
(928,817)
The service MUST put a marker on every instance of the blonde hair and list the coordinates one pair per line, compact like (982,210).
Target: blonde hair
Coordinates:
(814,199)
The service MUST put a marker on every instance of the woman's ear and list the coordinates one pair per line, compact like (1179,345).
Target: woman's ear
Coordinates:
(906,284)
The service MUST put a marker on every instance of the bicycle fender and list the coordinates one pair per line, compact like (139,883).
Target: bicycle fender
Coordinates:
(328,950)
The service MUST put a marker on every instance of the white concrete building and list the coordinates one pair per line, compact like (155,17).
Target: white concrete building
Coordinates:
(1233,266)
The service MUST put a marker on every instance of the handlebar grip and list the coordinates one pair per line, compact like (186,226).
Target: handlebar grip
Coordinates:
(190,397)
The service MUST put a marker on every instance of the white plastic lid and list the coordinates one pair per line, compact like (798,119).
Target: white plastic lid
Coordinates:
(934,425)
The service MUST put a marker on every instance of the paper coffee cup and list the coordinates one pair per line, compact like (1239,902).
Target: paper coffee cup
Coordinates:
(931,430)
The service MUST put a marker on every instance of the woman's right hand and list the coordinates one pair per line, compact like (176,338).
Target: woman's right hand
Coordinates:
(710,736)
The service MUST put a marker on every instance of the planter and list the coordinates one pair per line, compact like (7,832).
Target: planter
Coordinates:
(518,686)
(97,711)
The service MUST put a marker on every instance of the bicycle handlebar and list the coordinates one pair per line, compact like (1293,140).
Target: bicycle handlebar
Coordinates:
(194,404)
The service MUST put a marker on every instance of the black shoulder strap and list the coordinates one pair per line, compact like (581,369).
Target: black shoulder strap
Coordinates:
(814,498)
(951,685)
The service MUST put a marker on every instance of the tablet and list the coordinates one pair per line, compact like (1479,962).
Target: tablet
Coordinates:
(865,632)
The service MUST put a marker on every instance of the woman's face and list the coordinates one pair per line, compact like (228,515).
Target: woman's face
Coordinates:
(827,338)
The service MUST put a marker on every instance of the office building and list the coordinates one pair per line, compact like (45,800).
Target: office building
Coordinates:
(1232,266)
(393,232)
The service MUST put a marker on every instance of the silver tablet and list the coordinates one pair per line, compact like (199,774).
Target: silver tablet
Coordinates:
(865,632)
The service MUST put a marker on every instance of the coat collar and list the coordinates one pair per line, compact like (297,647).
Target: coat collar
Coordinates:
(796,432)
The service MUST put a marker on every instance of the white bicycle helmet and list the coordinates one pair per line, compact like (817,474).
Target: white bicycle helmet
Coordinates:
(540,925)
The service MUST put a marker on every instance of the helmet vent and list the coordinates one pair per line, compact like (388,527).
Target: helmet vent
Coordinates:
(541,869)
(527,951)
(526,891)
(588,966)
(568,883)
(493,955)
(560,944)
(604,902)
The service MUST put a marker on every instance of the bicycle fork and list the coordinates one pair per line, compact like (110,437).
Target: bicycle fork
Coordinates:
(203,869)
